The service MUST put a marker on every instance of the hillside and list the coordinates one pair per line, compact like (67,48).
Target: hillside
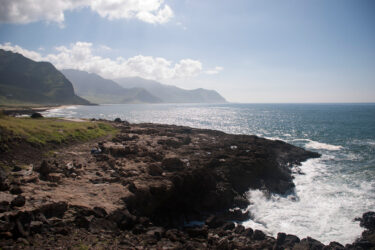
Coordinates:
(172,94)
(24,81)
(99,90)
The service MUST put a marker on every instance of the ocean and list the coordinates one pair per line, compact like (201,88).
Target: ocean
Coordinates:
(330,191)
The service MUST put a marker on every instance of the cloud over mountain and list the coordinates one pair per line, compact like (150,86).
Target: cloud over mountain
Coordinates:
(81,56)
(26,11)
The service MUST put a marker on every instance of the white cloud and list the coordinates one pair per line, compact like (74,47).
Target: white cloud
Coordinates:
(214,71)
(80,56)
(26,11)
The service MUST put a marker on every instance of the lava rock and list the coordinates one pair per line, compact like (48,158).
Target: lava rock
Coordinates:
(19,201)
(15,190)
(36,115)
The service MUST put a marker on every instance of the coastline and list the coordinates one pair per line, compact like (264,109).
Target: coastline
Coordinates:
(168,175)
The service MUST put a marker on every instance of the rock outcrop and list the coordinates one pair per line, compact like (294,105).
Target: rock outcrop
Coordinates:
(153,186)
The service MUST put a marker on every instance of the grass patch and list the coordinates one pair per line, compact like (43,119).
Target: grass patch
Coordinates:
(51,130)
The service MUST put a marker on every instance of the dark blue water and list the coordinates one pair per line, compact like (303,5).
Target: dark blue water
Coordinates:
(333,189)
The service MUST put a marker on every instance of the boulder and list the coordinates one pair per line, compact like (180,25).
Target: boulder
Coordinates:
(19,201)
(368,220)
(258,235)
(172,164)
(15,190)
(36,115)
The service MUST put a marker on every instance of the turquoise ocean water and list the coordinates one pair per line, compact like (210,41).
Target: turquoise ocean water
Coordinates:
(332,190)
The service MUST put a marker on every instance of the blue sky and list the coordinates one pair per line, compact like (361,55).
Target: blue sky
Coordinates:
(249,51)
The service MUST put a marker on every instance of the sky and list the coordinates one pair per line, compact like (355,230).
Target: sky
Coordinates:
(250,51)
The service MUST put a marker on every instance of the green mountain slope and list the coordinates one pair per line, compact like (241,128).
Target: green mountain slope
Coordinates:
(24,81)
(99,90)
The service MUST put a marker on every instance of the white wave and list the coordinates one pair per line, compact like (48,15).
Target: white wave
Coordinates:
(319,145)
(323,206)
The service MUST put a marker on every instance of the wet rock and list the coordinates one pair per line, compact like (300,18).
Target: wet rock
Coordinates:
(214,221)
(368,220)
(19,201)
(280,238)
(228,226)
(248,232)
(309,243)
(334,246)
(239,229)
(237,215)
(118,120)
(258,235)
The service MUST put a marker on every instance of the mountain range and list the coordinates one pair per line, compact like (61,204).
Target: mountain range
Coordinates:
(135,90)
(24,81)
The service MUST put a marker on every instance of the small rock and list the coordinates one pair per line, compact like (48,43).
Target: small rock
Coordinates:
(19,201)
(36,115)
(15,190)
(117,120)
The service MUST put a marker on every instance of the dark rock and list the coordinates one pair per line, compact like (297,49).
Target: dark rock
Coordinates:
(123,218)
(309,243)
(36,226)
(280,238)
(172,164)
(239,229)
(118,120)
(15,190)
(157,232)
(98,224)
(368,220)
(290,240)
(334,246)
(45,168)
(19,201)
(198,232)
(229,226)
(154,170)
(56,209)
(258,235)
(4,206)
(248,232)
(36,115)
(237,215)
(100,212)
(214,221)
(16,168)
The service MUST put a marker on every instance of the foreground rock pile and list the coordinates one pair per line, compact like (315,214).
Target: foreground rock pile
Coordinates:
(145,187)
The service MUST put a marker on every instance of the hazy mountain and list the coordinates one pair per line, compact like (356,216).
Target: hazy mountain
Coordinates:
(99,90)
(24,81)
(172,94)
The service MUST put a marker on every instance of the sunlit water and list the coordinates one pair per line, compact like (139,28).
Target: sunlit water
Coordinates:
(332,190)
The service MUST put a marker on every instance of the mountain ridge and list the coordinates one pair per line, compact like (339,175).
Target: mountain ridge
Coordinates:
(23,80)
(171,93)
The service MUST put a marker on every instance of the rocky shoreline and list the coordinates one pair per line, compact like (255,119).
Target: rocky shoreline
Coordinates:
(143,189)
